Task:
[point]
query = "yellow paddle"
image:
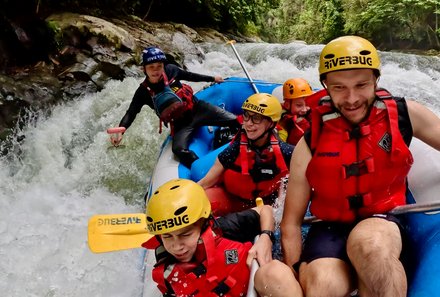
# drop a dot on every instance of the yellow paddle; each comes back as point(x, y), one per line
point(114, 232)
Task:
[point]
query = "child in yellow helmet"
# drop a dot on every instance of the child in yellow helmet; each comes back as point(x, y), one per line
point(197, 254)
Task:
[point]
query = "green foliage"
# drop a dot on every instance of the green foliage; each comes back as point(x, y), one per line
point(392, 21)
point(311, 20)
point(321, 21)
point(388, 23)
point(241, 15)
point(57, 34)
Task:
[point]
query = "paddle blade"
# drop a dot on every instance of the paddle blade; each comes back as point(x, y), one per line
point(114, 232)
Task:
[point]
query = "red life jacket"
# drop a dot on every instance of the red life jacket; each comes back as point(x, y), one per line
point(297, 129)
point(312, 101)
point(249, 178)
point(357, 171)
point(172, 102)
point(219, 269)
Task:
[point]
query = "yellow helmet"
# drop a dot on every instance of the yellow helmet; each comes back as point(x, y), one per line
point(296, 88)
point(264, 104)
point(348, 52)
point(176, 204)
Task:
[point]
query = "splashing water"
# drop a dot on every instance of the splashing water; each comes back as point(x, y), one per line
point(64, 171)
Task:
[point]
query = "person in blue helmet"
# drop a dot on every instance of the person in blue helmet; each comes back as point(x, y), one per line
point(174, 103)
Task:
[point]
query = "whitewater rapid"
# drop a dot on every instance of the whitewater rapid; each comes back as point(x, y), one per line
point(64, 170)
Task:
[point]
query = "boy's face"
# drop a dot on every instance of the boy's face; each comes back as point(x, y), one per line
point(154, 71)
point(182, 243)
point(296, 106)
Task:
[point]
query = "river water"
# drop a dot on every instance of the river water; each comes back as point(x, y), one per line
point(64, 171)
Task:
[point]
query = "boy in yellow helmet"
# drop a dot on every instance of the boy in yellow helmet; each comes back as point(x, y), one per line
point(197, 254)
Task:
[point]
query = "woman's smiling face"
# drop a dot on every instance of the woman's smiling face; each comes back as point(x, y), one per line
point(255, 124)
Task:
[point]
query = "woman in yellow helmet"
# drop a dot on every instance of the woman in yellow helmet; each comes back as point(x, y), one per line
point(254, 162)
point(354, 162)
point(295, 120)
point(200, 256)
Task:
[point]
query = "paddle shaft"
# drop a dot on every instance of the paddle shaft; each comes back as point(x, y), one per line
point(254, 267)
point(398, 210)
point(416, 207)
point(231, 43)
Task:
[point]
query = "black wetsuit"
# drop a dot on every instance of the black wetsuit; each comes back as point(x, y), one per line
point(202, 114)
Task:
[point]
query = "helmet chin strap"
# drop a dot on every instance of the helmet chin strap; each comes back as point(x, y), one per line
point(377, 82)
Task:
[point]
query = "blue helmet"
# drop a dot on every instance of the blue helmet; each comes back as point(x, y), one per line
point(152, 55)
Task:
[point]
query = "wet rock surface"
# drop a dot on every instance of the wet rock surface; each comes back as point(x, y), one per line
point(89, 51)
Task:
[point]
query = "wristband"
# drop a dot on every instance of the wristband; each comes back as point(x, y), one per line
point(270, 234)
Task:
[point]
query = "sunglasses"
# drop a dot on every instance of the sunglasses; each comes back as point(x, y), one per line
point(255, 118)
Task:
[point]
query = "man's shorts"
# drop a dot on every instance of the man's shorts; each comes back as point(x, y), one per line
point(329, 239)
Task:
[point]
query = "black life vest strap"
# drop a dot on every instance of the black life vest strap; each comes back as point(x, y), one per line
point(359, 200)
point(224, 286)
point(358, 168)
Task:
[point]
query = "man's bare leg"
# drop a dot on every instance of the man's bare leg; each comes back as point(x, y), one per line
point(276, 279)
point(374, 248)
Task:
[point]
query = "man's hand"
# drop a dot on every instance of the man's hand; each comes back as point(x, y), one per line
point(261, 250)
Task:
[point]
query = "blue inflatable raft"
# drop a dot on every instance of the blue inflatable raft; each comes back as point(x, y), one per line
point(423, 253)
